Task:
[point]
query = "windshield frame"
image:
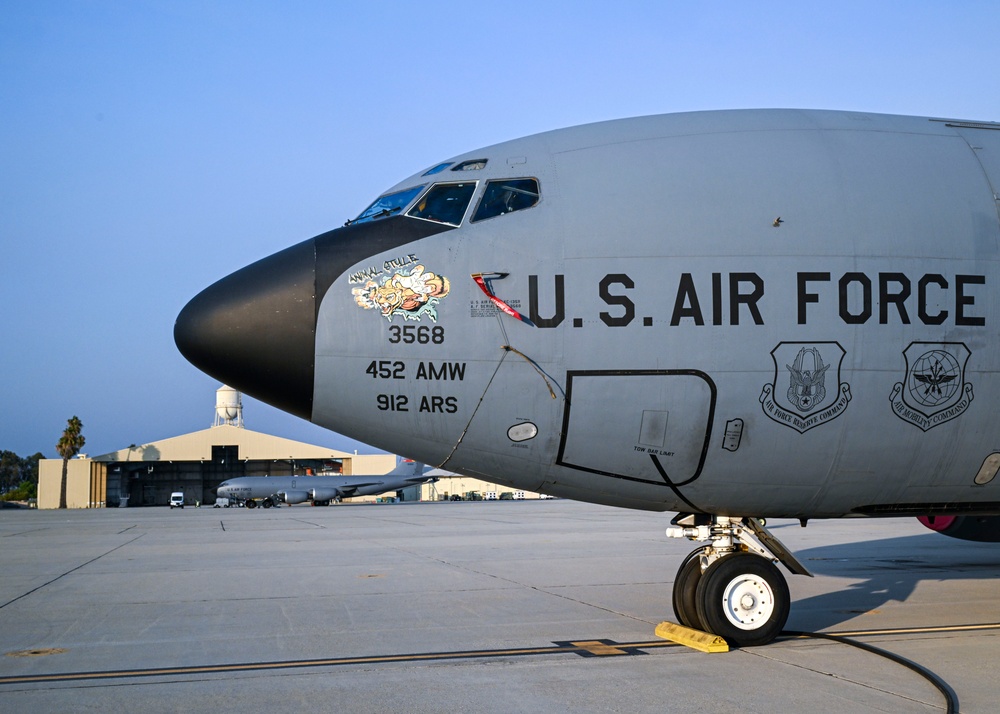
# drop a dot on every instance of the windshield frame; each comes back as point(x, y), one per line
point(492, 203)
point(418, 209)
point(388, 204)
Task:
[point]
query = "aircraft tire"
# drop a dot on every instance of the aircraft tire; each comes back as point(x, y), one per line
point(685, 599)
point(743, 598)
point(267, 503)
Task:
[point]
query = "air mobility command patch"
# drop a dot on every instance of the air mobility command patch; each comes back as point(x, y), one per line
point(934, 389)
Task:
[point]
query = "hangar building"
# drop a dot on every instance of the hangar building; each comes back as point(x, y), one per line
point(194, 463)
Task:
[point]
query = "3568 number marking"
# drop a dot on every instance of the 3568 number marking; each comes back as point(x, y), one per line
point(421, 335)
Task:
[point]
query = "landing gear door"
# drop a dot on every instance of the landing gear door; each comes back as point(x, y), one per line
point(638, 425)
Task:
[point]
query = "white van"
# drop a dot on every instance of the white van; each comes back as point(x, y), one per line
point(177, 499)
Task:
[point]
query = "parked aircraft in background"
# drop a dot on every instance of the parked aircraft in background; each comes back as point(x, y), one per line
point(733, 315)
point(320, 490)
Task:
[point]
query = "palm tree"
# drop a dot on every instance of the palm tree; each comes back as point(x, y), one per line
point(69, 446)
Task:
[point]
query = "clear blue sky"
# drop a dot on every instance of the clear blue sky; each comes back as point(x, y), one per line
point(148, 149)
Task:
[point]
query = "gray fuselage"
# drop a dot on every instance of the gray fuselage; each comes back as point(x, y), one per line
point(775, 312)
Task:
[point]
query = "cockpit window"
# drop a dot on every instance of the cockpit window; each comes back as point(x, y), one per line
point(473, 165)
point(506, 196)
point(444, 202)
point(437, 169)
point(388, 205)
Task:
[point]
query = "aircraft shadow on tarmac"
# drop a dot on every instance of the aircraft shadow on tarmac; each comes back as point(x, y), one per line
point(889, 571)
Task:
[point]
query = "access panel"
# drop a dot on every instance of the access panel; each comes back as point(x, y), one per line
point(645, 425)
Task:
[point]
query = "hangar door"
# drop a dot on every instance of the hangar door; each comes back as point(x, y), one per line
point(633, 424)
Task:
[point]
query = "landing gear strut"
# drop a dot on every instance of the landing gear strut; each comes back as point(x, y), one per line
point(732, 587)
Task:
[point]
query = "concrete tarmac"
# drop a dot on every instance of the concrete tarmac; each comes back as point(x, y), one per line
point(506, 606)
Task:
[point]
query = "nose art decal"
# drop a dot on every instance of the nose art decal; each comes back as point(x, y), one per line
point(409, 293)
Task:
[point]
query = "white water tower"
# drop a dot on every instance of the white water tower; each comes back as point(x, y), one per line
point(228, 407)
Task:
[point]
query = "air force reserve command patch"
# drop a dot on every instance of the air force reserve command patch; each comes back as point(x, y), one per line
point(806, 391)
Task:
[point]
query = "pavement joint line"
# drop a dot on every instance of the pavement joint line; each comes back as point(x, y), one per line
point(71, 570)
point(547, 590)
point(20, 533)
point(309, 523)
point(756, 652)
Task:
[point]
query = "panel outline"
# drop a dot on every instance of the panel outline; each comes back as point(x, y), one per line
point(571, 374)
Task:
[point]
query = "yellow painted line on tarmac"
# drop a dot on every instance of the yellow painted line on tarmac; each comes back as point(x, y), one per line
point(601, 649)
point(586, 648)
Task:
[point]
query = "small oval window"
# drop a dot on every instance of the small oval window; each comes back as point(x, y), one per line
point(989, 469)
point(522, 432)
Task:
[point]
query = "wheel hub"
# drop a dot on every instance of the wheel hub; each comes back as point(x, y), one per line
point(748, 602)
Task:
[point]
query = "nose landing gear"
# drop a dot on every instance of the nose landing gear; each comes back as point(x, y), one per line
point(731, 587)
point(686, 588)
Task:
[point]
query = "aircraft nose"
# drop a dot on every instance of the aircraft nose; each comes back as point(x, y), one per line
point(255, 329)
